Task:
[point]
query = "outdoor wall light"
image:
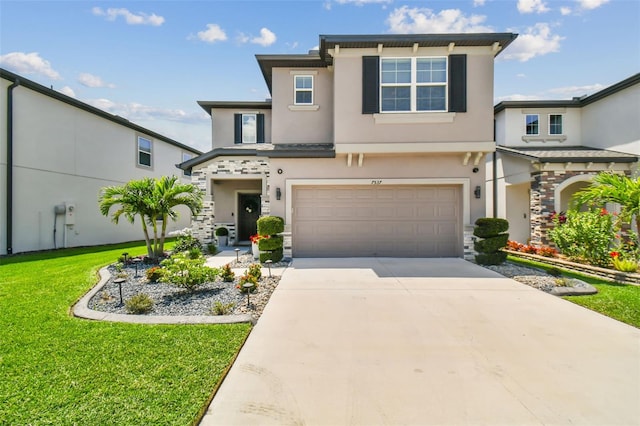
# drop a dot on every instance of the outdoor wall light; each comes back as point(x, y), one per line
point(477, 192)
point(278, 194)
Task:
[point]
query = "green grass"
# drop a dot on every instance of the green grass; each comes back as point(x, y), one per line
point(615, 300)
point(57, 369)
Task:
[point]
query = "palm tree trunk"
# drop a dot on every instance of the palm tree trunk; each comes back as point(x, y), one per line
point(155, 237)
point(147, 240)
point(163, 233)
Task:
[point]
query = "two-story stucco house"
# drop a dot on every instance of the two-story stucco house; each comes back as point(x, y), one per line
point(548, 150)
point(56, 153)
point(374, 145)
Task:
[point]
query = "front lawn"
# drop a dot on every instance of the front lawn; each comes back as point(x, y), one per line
point(56, 369)
point(618, 301)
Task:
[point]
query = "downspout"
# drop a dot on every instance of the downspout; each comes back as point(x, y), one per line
point(495, 184)
point(10, 165)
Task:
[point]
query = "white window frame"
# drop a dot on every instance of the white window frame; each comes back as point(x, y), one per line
point(561, 125)
point(186, 156)
point(255, 134)
point(139, 151)
point(413, 85)
point(296, 89)
point(525, 125)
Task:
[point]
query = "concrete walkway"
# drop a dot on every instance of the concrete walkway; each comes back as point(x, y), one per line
point(427, 342)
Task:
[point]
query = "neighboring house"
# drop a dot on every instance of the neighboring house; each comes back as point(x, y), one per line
point(56, 153)
point(374, 145)
point(548, 150)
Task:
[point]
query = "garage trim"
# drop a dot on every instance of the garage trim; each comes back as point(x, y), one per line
point(464, 182)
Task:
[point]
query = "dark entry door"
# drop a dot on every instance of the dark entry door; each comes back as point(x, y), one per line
point(248, 214)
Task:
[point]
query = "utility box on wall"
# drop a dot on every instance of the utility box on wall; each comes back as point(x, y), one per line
point(70, 218)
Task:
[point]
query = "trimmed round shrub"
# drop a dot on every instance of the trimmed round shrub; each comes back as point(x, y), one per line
point(274, 256)
point(491, 244)
point(272, 243)
point(491, 258)
point(490, 227)
point(270, 225)
point(222, 232)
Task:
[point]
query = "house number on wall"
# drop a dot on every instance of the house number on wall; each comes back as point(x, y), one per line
point(376, 182)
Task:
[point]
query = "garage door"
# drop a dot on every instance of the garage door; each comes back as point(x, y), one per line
point(377, 220)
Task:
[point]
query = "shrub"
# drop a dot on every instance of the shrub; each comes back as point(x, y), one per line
point(585, 236)
point(194, 253)
point(141, 303)
point(490, 227)
point(272, 243)
point(514, 245)
point(621, 264)
point(255, 270)
point(547, 251)
point(222, 232)
point(212, 248)
point(247, 279)
point(220, 308)
point(530, 249)
point(270, 225)
point(154, 274)
point(227, 274)
point(187, 273)
point(185, 241)
point(274, 255)
point(492, 230)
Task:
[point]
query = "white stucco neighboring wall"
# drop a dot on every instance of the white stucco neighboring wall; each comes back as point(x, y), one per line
point(64, 155)
point(511, 130)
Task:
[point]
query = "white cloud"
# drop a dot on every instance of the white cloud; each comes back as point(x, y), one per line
point(565, 11)
point(134, 111)
point(212, 34)
point(242, 38)
point(90, 80)
point(266, 38)
point(591, 4)
point(517, 97)
point(130, 18)
point(531, 6)
point(521, 75)
point(405, 20)
point(571, 91)
point(536, 41)
point(363, 2)
point(29, 63)
point(478, 3)
point(66, 90)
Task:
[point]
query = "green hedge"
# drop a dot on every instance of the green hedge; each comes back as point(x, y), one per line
point(491, 258)
point(275, 255)
point(491, 244)
point(272, 243)
point(490, 227)
point(270, 225)
point(222, 231)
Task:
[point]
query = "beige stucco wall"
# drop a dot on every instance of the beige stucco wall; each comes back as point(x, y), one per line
point(222, 125)
point(612, 122)
point(302, 125)
point(63, 154)
point(377, 167)
point(225, 193)
point(510, 127)
point(351, 126)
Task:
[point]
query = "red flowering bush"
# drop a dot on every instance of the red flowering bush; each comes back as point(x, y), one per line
point(514, 245)
point(547, 251)
point(529, 249)
point(257, 237)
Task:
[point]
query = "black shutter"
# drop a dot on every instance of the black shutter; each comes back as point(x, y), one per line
point(237, 122)
point(370, 84)
point(260, 128)
point(458, 83)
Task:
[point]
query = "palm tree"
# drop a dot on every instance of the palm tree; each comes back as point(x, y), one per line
point(132, 199)
point(169, 193)
point(153, 200)
point(613, 188)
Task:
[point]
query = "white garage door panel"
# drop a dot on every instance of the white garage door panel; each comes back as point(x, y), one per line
point(407, 221)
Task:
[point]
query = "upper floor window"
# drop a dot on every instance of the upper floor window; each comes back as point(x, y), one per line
point(303, 88)
point(413, 84)
point(249, 128)
point(532, 124)
point(145, 148)
point(186, 157)
point(555, 124)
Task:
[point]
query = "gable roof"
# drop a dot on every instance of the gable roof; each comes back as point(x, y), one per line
point(210, 105)
point(571, 103)
point(24, 82)
point(321, 58)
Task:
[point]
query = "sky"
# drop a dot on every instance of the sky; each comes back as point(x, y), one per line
point(151, 61)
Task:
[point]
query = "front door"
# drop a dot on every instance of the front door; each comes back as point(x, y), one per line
point(248, 214)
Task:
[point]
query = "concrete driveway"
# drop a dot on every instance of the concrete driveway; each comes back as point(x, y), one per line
point(427, 342)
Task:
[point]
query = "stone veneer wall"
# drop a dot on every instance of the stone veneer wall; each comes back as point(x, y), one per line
point(203, 225)
point(469, 239)
point(542, 201)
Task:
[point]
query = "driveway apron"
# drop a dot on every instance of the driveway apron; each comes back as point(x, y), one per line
point(382, 341)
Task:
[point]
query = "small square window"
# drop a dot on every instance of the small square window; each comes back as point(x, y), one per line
point(144, 151)
point(303, 90)
point(532, 124)
point(186, 157)
point(555, 124)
